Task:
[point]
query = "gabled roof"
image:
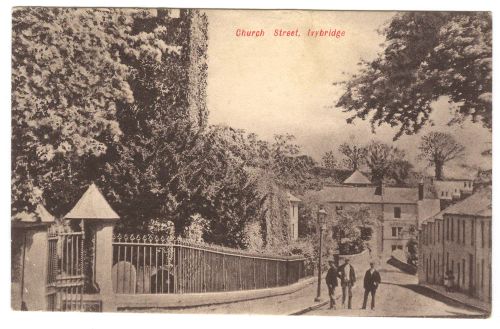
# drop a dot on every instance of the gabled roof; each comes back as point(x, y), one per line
point(92, 205)
point(41, 215)
point(357, 178)
point(292, 198)
point(351, 194)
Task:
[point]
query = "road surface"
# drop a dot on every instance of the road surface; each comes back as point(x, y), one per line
point(398, 295)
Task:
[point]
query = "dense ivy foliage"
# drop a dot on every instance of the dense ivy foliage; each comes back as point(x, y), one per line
point(117, 97)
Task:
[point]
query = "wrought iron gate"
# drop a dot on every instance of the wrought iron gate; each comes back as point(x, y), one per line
point(66, 275)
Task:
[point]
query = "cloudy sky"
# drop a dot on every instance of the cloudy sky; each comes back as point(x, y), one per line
point(272, 85)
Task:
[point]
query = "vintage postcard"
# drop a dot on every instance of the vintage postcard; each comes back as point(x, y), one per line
point(283, 162)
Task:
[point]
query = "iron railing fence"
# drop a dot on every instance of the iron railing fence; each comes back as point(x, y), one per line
point(152, 265)
point(65, 275)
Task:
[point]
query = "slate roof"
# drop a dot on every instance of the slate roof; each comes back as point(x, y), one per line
point(92, 205)
point(357, 178)
point(350, 194)
point(478, 204)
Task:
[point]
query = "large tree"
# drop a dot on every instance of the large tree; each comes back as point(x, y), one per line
point(354, 155)
point(427, 55)
point(437, 149)
point(68, 78)
point(384, 159)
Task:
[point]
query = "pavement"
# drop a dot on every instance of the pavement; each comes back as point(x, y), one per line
point(299, 302)
point(399, 295)
point(460, 297)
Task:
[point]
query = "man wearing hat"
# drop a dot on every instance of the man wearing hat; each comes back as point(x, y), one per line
point(371, 283)
point(347, 280)
point(331, 282)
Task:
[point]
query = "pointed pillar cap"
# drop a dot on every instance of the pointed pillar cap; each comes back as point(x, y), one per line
point(93, 206)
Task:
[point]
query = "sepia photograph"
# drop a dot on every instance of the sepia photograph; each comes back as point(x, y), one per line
point(265, 162)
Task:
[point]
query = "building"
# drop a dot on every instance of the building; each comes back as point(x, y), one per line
point(458, 239)
point(396, 211)
point(453, 189)
point(294, 215)
point(357, 178)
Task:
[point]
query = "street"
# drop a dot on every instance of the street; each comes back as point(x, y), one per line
point(398, 295)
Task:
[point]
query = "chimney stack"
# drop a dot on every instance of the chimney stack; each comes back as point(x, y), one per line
point(379, 190)
point(421, 189)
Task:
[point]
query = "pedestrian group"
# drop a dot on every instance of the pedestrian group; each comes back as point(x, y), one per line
point(347, 277)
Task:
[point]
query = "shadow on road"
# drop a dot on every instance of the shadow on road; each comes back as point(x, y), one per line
point(424, 291)
point(404, 267)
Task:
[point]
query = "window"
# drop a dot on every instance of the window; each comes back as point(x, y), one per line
point(397, 212)
point(446, 193)
point(452, 230)
point(463, 231)
point(463, 272)
point(447, 229)
point(472, 232)
point(439, 231)
point(447, 261)
point(396, 231)
point(458, 230)
point(489, 234)
point(482, 273)
point(482, 234)
point(442, 193)
point(465, 184)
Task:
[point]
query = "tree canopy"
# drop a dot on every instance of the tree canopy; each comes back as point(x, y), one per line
point(437, 149)
point(117, 97)
point(426, 55)
point(354, 155)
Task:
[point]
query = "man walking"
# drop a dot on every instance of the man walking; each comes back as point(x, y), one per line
point(331, 282)
point(371, 283)
point(347, 280)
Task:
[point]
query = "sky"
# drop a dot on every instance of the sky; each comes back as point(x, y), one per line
point(273, 85)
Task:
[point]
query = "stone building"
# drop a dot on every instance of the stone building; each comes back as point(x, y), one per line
point(458, 239)
point(397, 211)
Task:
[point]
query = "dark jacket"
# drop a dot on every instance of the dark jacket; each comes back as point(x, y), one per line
point(331, 277)
point(371, 280)
point(342, 275)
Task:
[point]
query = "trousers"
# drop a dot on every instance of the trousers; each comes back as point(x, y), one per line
point(331, 294)
point(371, 291)
point(347, 293)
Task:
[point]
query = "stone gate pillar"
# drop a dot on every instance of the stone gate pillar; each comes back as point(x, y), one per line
point(99, 220)
point(29, 260)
